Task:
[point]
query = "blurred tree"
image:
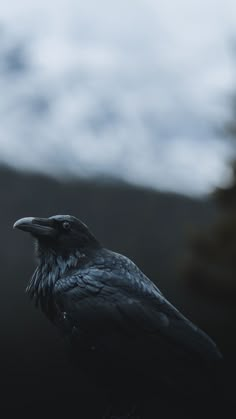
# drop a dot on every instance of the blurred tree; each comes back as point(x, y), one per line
point(211, 263)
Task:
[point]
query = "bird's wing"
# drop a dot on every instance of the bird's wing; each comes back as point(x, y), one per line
point(104, 303)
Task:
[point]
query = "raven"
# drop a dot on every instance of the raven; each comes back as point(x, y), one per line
point(121, 328)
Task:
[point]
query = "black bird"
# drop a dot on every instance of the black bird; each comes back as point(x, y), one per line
point(121, 328)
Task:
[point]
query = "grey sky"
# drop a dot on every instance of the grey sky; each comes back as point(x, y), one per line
point(136, 89)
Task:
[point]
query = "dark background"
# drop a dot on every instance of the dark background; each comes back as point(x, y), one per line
point(167, 235)
point(144, 93)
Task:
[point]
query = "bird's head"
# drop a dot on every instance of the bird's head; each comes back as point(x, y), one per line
point(61, 234)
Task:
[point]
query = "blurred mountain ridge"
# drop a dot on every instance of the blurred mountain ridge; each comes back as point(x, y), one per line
point(150, 227)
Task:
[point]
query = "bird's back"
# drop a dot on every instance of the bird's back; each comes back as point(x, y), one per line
point(114, 314)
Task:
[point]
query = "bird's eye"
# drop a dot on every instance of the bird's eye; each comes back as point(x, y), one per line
point(66, 225)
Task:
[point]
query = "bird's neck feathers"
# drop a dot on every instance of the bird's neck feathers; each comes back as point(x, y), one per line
point(50, 268)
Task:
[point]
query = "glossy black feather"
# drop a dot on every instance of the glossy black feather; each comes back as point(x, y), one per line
point(109, 291)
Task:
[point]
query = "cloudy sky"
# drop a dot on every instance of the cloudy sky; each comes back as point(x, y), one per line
point(135, 89)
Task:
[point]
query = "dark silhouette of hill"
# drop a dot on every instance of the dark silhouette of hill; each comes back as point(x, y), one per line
point(148, 226)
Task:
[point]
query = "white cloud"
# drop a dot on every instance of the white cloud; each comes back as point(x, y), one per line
point(135, 89)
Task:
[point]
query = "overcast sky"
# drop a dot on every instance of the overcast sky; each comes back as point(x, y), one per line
point(136, 89)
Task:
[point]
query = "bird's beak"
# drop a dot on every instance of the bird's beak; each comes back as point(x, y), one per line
point(36, 226)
